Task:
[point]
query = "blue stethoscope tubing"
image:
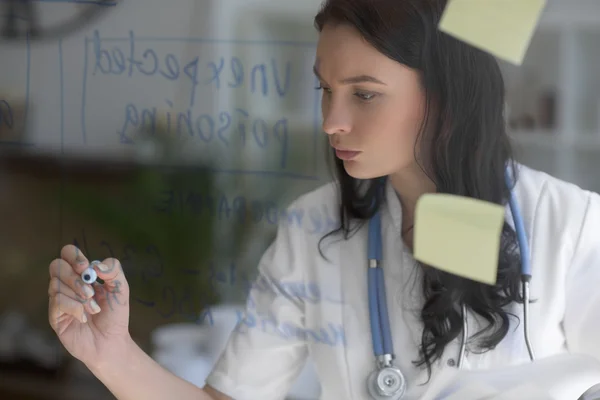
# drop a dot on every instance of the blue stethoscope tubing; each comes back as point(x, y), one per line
point(525, 258)
point(380, 324)
point(378, 313)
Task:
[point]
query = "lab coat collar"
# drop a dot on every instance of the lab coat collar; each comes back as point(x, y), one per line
point(394, 207)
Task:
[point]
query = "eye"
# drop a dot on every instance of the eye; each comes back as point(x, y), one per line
point(364, 96)
point(325, 89)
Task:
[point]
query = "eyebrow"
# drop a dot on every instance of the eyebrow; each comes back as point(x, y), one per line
point(352, 79)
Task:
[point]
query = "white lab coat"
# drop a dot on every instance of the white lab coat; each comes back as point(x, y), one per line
point(304, 305)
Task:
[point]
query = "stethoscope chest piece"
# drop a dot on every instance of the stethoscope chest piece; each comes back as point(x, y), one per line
point(386, 384)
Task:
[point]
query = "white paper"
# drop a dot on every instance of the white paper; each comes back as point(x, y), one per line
point(475, 390)
point(561, 377)
point(527, 391)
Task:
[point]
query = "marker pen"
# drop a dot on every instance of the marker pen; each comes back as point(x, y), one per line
point(90, 275)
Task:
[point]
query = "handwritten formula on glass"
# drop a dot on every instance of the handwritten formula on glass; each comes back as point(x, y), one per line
point(172, 303)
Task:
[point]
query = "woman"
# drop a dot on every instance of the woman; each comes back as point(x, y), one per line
point(410, 108)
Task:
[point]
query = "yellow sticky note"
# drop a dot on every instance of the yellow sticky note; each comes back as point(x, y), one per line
point(503, 28)
point(459, 235)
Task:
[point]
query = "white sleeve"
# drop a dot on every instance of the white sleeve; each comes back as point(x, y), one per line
point(582, 309)
point(267, 350)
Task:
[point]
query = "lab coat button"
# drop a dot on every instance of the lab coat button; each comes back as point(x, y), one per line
point(451, 362)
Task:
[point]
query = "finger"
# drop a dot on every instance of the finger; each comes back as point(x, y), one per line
point(64, 272)
point(56, 286)
point(75, 257)
point(110, 270)
point(115, 290)
point(113, 297)
point(61, 305)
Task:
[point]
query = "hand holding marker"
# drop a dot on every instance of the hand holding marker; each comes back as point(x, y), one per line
point(89, 305)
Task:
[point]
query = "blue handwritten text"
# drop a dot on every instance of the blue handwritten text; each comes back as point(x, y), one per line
point(6, 115)
point(242, 210)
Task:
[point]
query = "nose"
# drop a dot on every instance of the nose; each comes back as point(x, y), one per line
point(336, 119)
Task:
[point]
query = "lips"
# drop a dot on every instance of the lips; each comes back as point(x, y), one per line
point(346, 154)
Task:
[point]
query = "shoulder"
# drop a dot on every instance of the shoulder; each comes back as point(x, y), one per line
point(315, 212)
point(300, 228)
point(326, 194)
point(535, 186)
point(555, 209)
point(542, 193)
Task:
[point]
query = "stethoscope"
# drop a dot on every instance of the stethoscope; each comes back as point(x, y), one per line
point(387, 382)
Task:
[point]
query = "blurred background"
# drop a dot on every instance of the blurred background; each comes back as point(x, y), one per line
point(173, 136)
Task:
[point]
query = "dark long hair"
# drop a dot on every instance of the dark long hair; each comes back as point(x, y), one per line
point(466, 149)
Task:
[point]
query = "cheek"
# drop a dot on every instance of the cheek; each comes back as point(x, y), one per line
point(393, 130)
point(391, 139)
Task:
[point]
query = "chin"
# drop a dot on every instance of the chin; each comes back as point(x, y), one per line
point(357, 171)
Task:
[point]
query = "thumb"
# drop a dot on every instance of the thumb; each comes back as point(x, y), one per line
point(109, 270)
point(110, 273)
point(112, 287)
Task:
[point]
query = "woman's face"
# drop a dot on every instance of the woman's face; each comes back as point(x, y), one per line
point(372, 105)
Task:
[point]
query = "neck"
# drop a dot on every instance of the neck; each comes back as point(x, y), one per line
point(410, 184)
